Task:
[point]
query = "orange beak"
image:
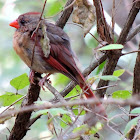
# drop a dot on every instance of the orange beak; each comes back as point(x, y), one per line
point(14, 24)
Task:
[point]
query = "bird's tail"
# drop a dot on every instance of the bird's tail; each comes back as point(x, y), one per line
point(98, 107)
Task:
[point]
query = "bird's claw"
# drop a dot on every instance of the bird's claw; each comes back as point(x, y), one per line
point(43, 80)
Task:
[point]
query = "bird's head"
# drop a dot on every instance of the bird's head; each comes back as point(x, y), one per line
point(25, 20)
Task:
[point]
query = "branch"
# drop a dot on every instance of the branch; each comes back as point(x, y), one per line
point(114, 56)
point(65, 15)
point(23, 118)
point(128, 24)
point(76, 121)
point(102, 27)
point(131, 101)
point(136, 89)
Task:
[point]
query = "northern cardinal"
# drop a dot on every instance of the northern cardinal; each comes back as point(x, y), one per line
point(60, 59)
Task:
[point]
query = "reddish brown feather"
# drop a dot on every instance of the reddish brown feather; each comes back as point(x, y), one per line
point(32, 13)
point(55, 64)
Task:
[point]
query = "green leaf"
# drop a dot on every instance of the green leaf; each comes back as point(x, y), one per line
point(82, 127)
point(121, 94)
point(99, 126)
point(111, 47)
point(74, 92)
point(100, 68)
point(61, 79)
point(20, 82)
point(40, 112)
point(66, 119)
point(76, 110)
point(57, 111)
point(54, 6)
point(135, 111)
point(118, 72)
point(52, 111)
point(130, 125)
point(8, 98)
point(86, 129)
point(109, 77)
point(50, 120)
point(93, 130)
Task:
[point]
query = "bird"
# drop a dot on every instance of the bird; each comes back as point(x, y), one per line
point(27, 44)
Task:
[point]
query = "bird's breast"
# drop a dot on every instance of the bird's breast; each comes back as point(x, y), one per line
point(24, 47)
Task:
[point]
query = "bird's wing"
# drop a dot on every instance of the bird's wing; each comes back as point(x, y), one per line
point(61, 59)
point(61, 55)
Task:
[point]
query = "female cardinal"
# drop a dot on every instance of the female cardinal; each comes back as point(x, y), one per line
point(60, 58)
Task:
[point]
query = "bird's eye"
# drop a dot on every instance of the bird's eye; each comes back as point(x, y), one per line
point(22, 21)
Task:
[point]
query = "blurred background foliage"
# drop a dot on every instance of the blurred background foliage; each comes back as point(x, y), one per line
point(11, 66)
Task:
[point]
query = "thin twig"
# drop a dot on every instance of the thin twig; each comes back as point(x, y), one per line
point(33, 120)
point(36, 31)
point(130, 52)
point(65, 8)
point(105, 87)
point(65, 15)
point(113, 21)
point(96, 39)
point(133, 32)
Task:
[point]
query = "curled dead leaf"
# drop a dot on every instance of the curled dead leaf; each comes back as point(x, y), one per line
point(84, 14)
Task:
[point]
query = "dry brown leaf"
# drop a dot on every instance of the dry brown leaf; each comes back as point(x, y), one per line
point(84, 14)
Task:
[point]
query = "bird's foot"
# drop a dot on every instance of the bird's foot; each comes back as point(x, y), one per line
point(31, 76)
point(43, 80)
